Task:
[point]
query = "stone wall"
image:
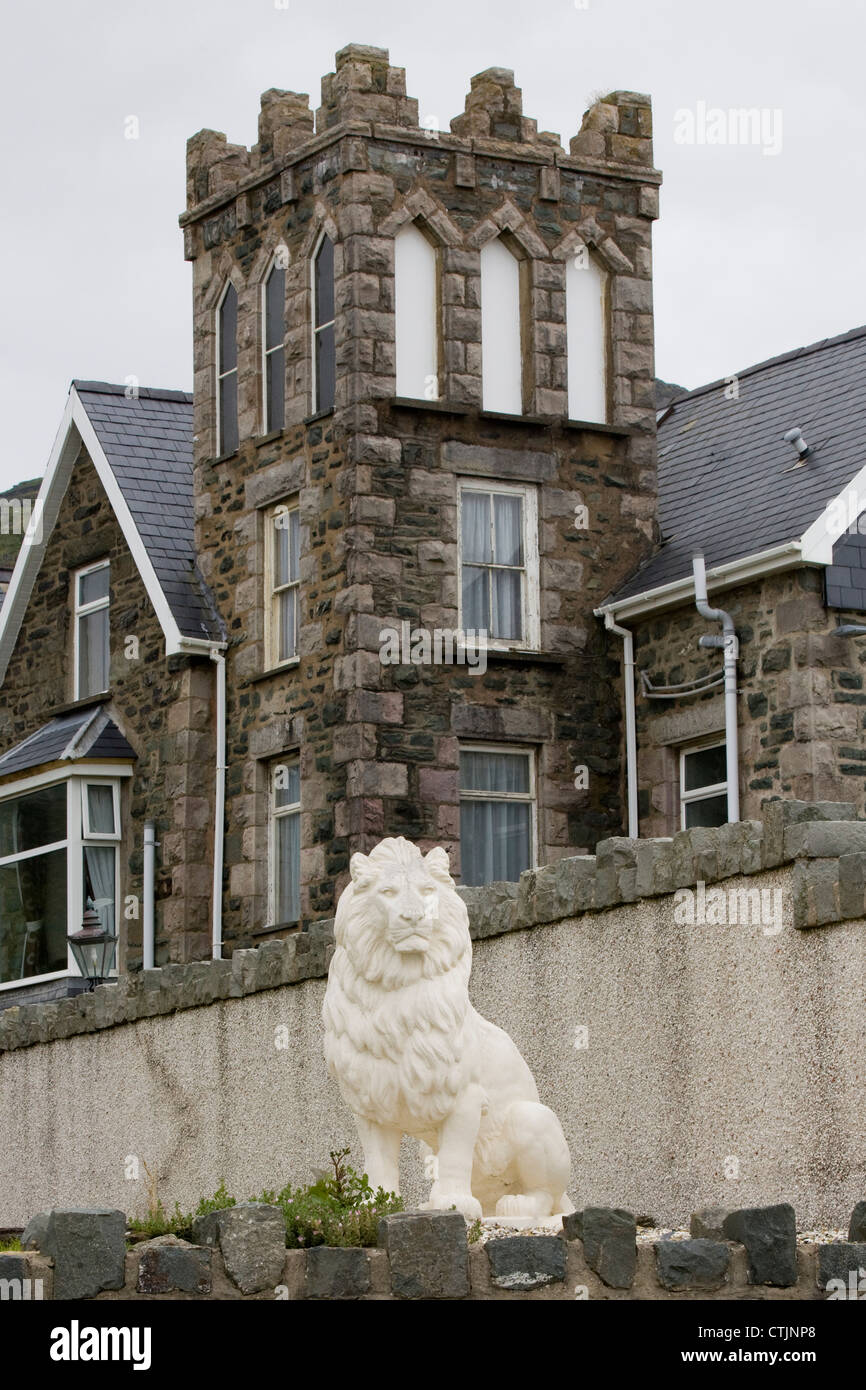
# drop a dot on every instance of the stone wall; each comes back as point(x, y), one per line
point(241, 1253)
point(802, 704)
point(697, 1055)
point(164, 708)
point(377, 478)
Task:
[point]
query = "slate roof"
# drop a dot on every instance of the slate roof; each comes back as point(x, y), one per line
point(147, 440)
point(726, 483)
point(87, 733)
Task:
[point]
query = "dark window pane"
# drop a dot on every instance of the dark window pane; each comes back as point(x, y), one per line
point(713, 810)
point(275, 299)
point(494, 772)
point(494, 841)
point(228, 331)
point(325, 282)
point(476, 599)
point(93, 586)
point(33, 925)
point(228, 390)
point(705, 768)
point(276, 388)
point(93, 653)
point(26, 822)
point(508, 527)
point(326, 369)
point(507, 604)
point(475, 527)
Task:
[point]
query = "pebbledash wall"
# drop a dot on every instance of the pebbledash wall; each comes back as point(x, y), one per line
point(691, 1063)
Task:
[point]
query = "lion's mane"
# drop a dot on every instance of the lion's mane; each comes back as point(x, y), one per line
point(400, 1033)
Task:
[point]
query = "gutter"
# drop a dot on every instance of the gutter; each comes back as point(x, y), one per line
point(728, 641)
point(630, 730)
point(681, 591)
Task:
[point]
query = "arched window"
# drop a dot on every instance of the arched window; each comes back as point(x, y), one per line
point(227, 371)
point(416, 317)
point(586, 317)
point(501, 349)
point(273, 348)
point(324, 356)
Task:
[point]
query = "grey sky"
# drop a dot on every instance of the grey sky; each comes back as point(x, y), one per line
point(754, 254)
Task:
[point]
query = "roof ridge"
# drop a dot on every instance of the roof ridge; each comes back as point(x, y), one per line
point(850, 336)
point(150, 393)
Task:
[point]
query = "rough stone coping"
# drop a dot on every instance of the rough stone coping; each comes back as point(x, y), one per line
point(824, 841)
point(426, 1255)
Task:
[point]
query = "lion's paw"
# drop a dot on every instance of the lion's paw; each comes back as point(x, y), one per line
point(442, 1200)
point(524, 1204)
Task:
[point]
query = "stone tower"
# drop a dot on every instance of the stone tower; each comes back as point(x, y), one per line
point(424, 404)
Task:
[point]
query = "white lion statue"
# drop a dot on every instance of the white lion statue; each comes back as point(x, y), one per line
point(411, 1055)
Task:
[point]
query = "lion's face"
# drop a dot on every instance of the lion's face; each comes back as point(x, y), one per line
point(402, 900)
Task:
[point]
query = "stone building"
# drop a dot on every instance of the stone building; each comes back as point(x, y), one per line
point(763, 473)
point(347, 590)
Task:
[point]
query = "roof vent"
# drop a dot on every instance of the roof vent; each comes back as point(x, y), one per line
point(795, 438)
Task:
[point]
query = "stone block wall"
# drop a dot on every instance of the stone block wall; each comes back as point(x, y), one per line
point(81, 1254)
point(163, 707)
point(377, 479)
point(684, 1004)
point(802, 704)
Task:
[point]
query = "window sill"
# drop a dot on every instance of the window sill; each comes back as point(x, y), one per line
point(262, 439)
point(529, 658)
point(280, 926)
point(318, 415)
point(87, 703)
point(275, 671)
point(224, 458)
point(445, 408)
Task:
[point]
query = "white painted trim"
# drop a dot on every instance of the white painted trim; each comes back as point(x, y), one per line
point(80, 611)
point(521, 798)
point(266, 352)
point(271, 663)
point(531, 597)
point(38, 979)
point(704, 793)
point(275, 814)
point(92, 770)
point(741, 571)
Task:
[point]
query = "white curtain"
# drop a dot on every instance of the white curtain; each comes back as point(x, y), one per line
point(288, 894)
point(495, 840)
point(100, 866)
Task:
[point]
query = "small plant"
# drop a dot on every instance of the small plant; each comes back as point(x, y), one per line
point(10, 1243)
point(342, 1209)
point(475, 1231)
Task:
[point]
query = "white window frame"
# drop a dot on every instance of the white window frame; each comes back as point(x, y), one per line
point(83, 610)
point(315, 328)
point(221, 376)
point(530, 593)
point(268, 351)
point(687, 798)
point(530, 797)
point(275, 813)
point(74, 844)
point(271, 663)
point(103, 835)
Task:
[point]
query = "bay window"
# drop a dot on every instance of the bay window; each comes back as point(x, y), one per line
point(58, 856)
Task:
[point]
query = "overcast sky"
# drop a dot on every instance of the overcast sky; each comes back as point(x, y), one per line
point(754, 253)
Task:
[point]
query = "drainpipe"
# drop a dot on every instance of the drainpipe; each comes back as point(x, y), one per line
point(219, 803)
point(630, 734)
point(728, 641)
point(149, 869)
